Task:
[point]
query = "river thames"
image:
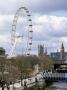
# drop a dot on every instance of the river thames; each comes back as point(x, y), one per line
point(57, 86)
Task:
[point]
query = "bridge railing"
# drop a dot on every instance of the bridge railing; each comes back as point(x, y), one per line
point(60, 61)
point(54, 75)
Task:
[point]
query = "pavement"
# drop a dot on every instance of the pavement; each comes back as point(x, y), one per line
point(29, 82)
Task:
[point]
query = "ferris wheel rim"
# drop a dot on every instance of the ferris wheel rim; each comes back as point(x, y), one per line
point(30, 31)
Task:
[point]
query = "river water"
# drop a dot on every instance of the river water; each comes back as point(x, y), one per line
point(57, 86)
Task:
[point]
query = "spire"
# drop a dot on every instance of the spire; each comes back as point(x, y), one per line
point(62, 52)
point(62, 46)
point(57, 51)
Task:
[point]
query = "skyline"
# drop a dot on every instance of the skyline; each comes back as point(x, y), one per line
point(49, 22)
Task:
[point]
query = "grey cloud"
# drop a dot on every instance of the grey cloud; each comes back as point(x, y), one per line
point(45, 6)
point(47, 33)
point(37, 6)
point(63, 33)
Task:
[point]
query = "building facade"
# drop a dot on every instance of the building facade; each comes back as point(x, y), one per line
point(40, 50)
point(62, 55)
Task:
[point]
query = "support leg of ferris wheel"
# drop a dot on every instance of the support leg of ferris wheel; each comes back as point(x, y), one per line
point(13, 50)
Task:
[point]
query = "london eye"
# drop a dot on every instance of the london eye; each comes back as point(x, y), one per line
point(24, 32)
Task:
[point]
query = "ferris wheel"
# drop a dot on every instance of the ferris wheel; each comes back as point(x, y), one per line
point(25, 32)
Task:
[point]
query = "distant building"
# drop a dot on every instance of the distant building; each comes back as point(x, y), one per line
point(55, 55)
point(40, 50)
point(62, 55)
point(2, 52)
point(45, 51)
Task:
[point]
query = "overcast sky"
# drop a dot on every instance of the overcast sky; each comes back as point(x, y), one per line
point(49, 22)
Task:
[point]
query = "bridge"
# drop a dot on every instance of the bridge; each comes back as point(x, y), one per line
point(60, 62)
point(53, 77)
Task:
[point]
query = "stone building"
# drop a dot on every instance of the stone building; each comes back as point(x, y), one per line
point(62, 55)
point(40, 50)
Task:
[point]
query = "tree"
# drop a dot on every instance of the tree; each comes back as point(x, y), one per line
point(46, 62)
point(24, 66)
point(12, 70)
point(2, 70)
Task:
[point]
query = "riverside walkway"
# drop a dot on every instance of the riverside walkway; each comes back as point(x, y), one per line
point(29, 83)
point(41, 79)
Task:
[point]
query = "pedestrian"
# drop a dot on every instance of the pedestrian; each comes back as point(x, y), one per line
point(36, 80)
point(25, 85)
point(8, 86)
